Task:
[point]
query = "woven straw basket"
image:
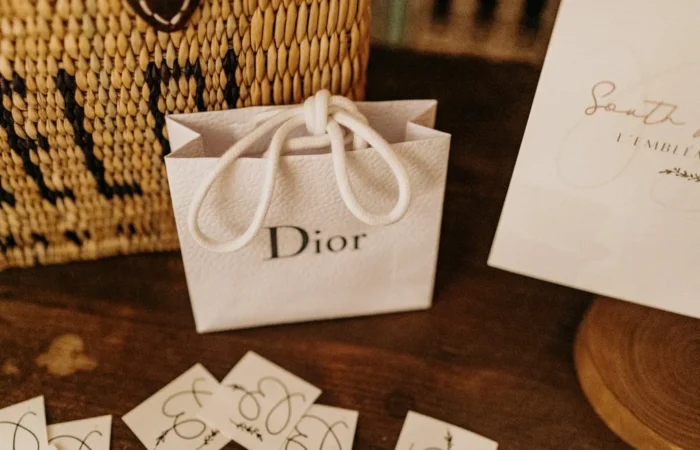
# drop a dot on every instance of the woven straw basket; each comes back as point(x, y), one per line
point(86, 86)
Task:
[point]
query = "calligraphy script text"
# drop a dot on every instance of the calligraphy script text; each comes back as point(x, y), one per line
point(277, 415)
point(654, 112)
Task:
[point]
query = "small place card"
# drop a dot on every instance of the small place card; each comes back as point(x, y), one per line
point(258, 403)
point(425, 433)
point(92, 434)
point(168, 420)
point(324, 428)
point(23, 426)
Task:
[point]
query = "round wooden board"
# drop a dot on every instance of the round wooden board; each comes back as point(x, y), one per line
point(640, 369)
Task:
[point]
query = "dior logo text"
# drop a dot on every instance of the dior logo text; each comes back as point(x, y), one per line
point(287, 241)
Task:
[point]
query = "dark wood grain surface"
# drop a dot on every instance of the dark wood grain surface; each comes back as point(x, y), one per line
point(494, 355)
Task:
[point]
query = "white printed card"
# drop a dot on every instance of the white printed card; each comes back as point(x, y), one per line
point(88, 434)
point(323, 428)
point(605, 196)
point(425, 433)
point(168, 420)
point(258, 404)
point(23, 426)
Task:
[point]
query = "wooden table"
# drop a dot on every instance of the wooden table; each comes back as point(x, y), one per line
point(494, 355)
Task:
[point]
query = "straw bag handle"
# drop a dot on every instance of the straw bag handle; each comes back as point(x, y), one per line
point(164, 15)
point(323, 116)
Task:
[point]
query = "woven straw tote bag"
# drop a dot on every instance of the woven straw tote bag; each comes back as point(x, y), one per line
point(86, 86)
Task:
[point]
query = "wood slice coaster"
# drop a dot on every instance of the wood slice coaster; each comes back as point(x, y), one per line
point(640, 369)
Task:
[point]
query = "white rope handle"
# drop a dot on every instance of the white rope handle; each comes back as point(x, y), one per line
point(322, 115)
point(387, 154)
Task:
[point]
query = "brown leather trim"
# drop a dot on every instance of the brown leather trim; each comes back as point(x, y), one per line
point(165, 15)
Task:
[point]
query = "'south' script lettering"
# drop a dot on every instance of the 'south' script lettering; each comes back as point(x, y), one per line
point(652, 112)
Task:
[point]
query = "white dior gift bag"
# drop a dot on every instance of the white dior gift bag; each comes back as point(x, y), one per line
point(324, 210)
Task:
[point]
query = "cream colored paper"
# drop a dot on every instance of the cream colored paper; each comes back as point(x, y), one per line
point(313, 259)
point(23, 426)
point(92, 434)
point(167, 420)
point(606, 191)
point(323, 428)
point(425, 433)
point(258, 404)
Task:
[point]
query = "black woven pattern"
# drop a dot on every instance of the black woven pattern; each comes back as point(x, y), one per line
point(24, 146)
point(66, 85)
point(7, 243)
point(155, 77)
point(231, 92)
point(195, 70)
point(6, 197)
point(83, 103)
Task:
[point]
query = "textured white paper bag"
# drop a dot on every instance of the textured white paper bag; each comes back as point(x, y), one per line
point(312, 259)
